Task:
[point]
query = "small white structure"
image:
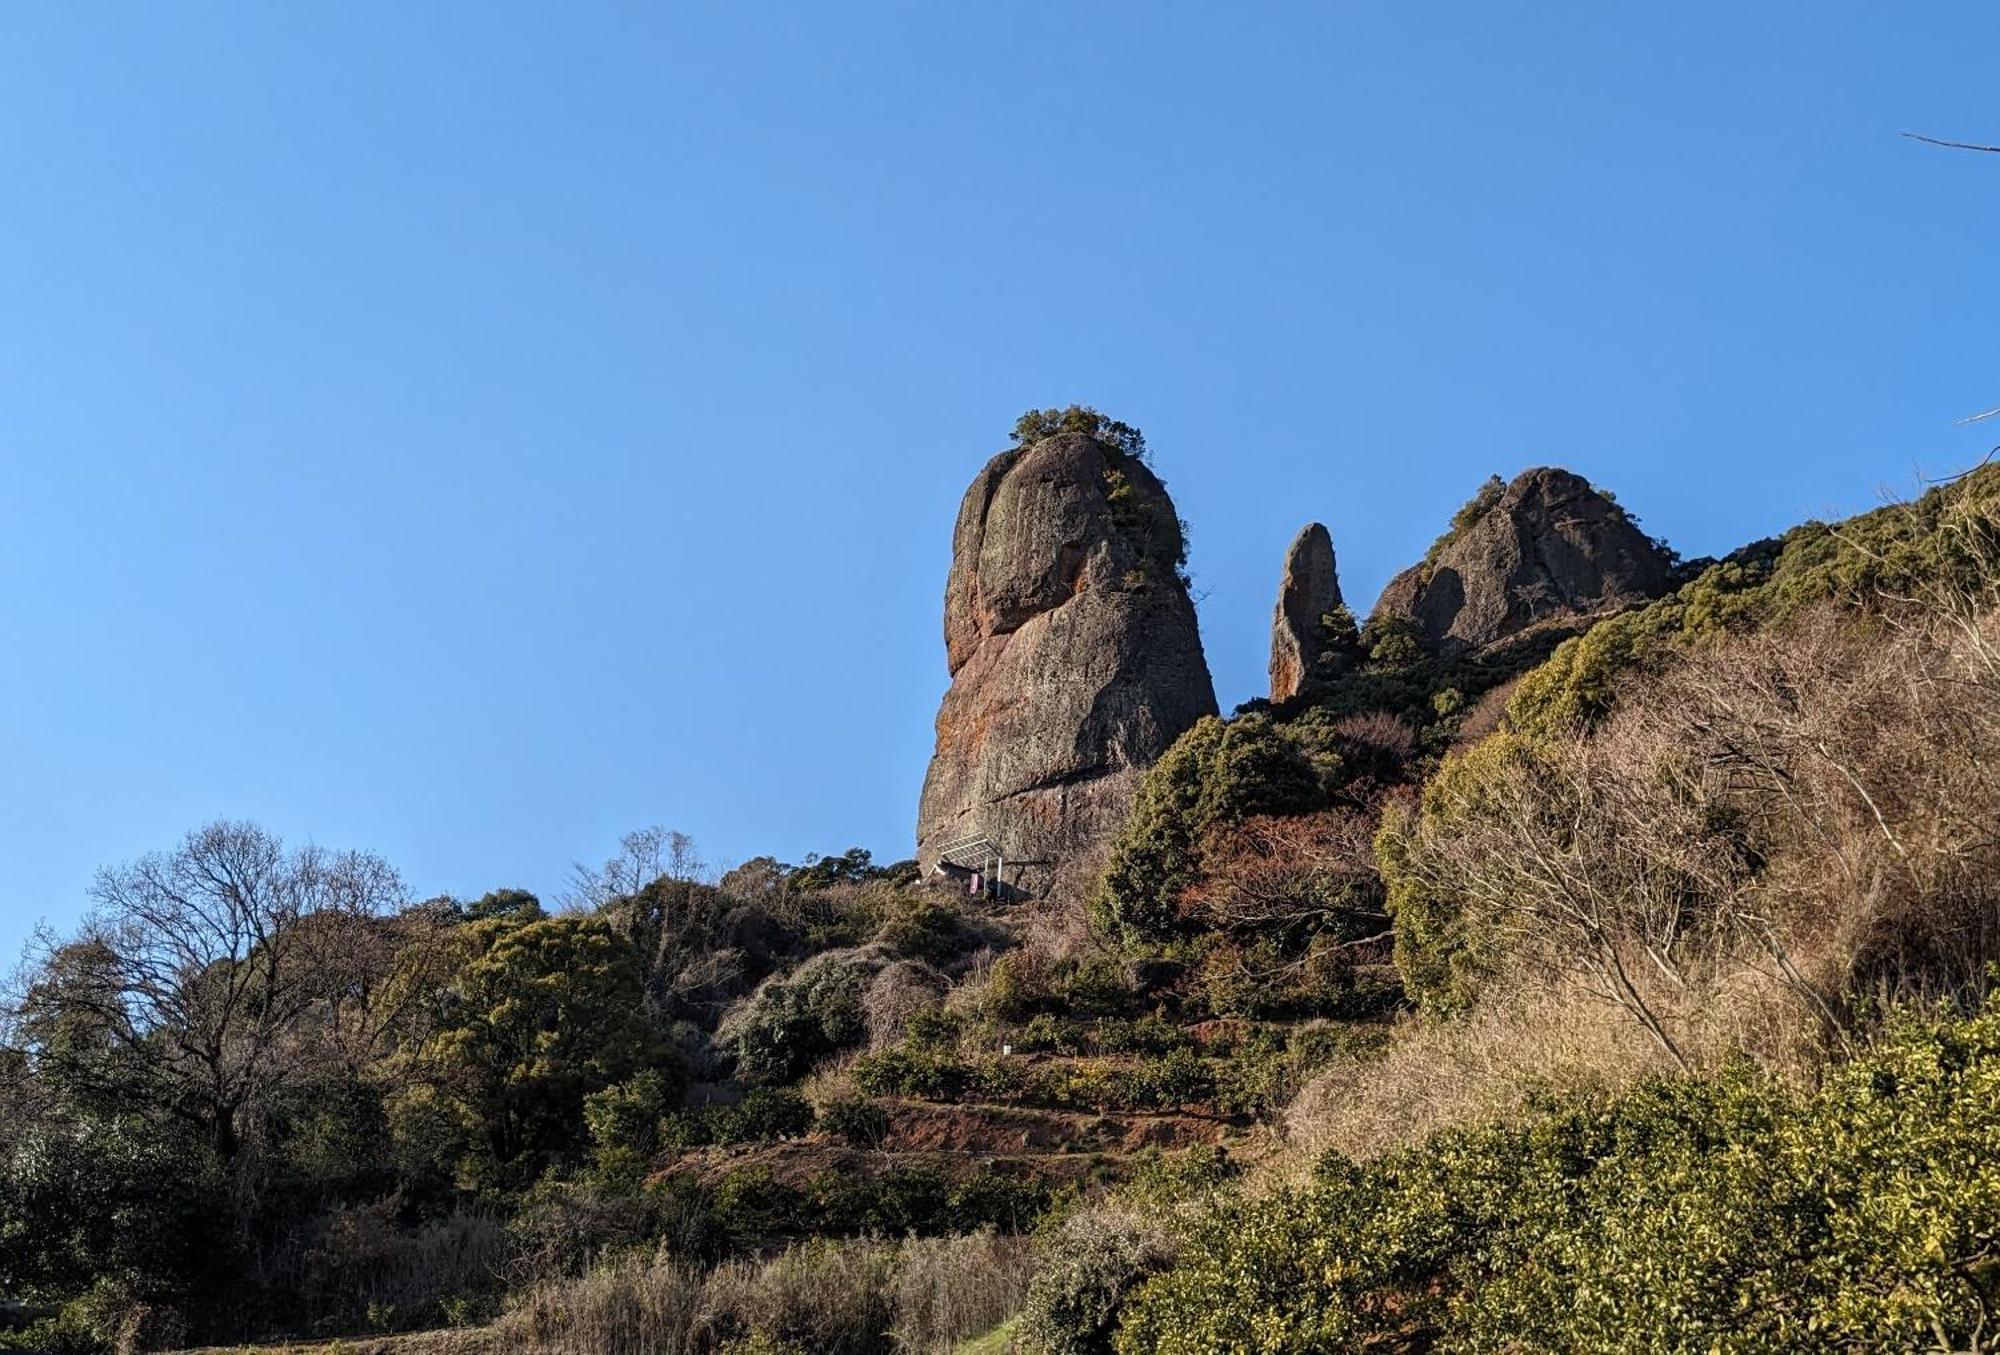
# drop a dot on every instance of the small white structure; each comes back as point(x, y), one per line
point(974, 864)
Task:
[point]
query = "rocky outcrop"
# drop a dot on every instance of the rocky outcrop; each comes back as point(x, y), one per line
point(1307, 591)
point(1074, 656)
point(1546, 546)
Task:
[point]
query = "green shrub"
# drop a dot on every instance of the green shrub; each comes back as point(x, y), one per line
point(1050, 1034)
point(926, 928)
point(1088, 1267)
point(1268, 1068)
point(934, 1027)
point(764, 1114)
point(1037, 424)
point(1442, 959)
point(1468, 516)
point(1140, 511)
point(1217, 773)
point(857, 1120)
point(1021, 986)
point(1948, 536)
point(790, 1023)
point(1047, 1034)
point(922, 1201)
point(753, 1208)
point(1727, 1213)
point(626, 1116)
point(1180, 1078)
point(903, 1071)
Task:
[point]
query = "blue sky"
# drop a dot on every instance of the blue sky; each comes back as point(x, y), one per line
point(469, 431)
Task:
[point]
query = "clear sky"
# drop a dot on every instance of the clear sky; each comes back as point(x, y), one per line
point(469, 431)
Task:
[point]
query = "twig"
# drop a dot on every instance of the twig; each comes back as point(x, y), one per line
point(1951, 145)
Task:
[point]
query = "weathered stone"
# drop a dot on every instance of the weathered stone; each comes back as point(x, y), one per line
point(1074, 655)
point(1307, 591)
point(1546, 546)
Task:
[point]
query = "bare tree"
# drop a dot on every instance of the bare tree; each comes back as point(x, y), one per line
point(644, 855)
point(199, 971)
point(1300, 874)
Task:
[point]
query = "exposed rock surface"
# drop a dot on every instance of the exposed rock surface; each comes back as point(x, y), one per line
point(1546, 546)
point(1307, 591)
point(1074, 656)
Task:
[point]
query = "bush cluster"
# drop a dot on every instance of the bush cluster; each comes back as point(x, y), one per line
point(1726, 1213)
point(764, 1114)
point(791, 1022)
point(1176, 1079)
point(1215, 775)
point(751, 1208)
point(1945, 539)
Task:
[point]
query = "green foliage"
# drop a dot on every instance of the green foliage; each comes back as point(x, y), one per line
point(1216, 774)
point(1178, 1078)
point(542, 1015)
point(752, 1208)
point(511, 905)
point(763, 1114)
point(1468, 516)
point(92, 1198)
point(1087, 1270)
point(1051, 1034)
point(1145, 520)
point(934, 1027)
point(791, 1023)
point(856, 1119)
point(1139, 512)
point(1391, 641)
point(1256, 977)
point(1727, 1214)
point(856, 865)
point(1268, 1067)
point(1441, 958)
point(1944, 537)
point(624, 1119)
point(925, 927)
point(1038, 424)
point(1019, 987)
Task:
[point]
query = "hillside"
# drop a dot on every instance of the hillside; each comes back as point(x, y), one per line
point(1585, 950)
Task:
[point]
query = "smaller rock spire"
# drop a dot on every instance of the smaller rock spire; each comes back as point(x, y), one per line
point(1307, 591)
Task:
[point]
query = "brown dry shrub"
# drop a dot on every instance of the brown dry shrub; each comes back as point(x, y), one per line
point(630, 1305)
point(819, 1295)
point(1303, 871)
point(1765, 831)
point(950, 1288)
point(856, 1297)
point(1375, 746)
point(894, 995)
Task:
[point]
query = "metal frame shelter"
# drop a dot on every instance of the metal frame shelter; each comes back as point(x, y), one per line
point(979, 853)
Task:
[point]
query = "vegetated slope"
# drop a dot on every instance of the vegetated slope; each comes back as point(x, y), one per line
point(1522, 994)
point(1703, 931)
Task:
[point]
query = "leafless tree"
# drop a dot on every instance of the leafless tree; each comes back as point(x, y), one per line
point(644, 855)
point(199, 970)
point(1312, 871)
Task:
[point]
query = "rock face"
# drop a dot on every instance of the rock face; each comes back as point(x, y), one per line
point(1307, 591)
point(1546, 546)
point(1074, 656)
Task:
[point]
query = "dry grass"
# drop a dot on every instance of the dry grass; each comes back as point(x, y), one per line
point(633, 1305)
point(950, 1289)
point(895, 995)
point(858, 1297)
point(1515, 1044)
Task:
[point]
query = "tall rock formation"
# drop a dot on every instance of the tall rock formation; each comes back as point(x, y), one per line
point(1074, 656)
point(1546, 546)
point(1307, 591)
